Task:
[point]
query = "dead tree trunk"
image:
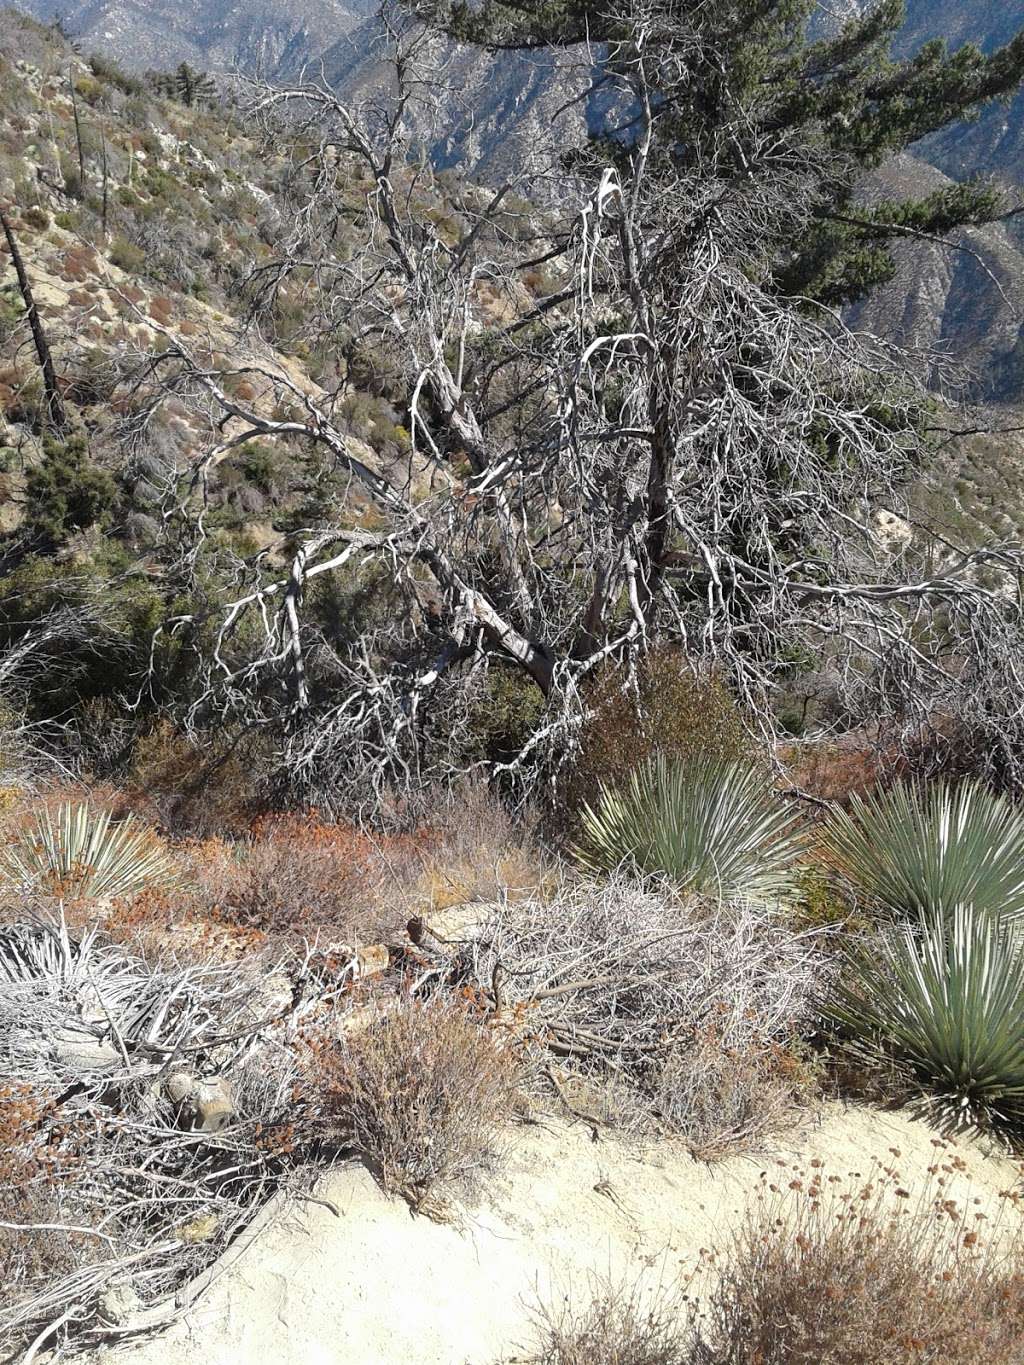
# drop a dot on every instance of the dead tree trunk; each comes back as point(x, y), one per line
point(55, 416)
point(78, 132)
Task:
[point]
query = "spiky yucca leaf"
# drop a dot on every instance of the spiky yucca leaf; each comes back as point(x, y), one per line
point(946, 997)
point(920, 853)
point(711, 825)
point(80, 853)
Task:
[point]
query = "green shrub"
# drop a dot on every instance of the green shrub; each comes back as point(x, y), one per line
point(921, 853)
point(66, 492)
point(504, 714)
point(90, 90)
point(106, 616)
point(127, 256)
point(947, 1000)
point(11, 315)
point(711, 825)
point(261, 465)
point(110, 73)
point(818, 902)
point(36, 218)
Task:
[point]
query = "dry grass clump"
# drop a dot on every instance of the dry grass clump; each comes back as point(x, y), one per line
point(867, 1279)
point(476, 852)
point(697, 1010)
point(421, 1095)
point(621, 1326)
point(861, 1283)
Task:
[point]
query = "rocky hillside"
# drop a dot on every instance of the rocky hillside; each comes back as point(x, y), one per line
point(500, 112)
point(959, 305)
point(155, 225)
point(501, 109)
point(512, 98)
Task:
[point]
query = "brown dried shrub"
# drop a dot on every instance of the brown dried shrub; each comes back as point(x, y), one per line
point(39, 1159)
point(861, 1280)
point(421, 1094)
point(834, 770)
point(864, 1283)
point(475, 851)
point(300, 875)
point(723, 1100)
point(671, 711)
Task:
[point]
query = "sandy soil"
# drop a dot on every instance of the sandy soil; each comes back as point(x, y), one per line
point(376, 1284)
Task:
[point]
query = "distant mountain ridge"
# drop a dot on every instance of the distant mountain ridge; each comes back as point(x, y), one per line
point(217, 35)
point(499, 112)
point(513, 97)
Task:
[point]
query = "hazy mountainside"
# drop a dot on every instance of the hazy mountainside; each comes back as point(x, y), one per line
point(264, 35)
point(963, 305)
point(498, 114)
point(512, 100)
point(513, 97)
point(967, 303)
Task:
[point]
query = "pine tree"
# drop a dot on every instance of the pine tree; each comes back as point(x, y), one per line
point(191, 86)
point(843, 98)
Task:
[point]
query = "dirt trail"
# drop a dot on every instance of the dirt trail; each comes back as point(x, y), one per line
point(376, 1284)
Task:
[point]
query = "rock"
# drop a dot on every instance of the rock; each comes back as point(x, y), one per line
point(119, 1303)
point(373, 960)
point(205, 1106)
point(79, 1050)
point(215, 1105)
point(273, 996)
point(180, 1087)
point(457, 923)
point(199, 1229)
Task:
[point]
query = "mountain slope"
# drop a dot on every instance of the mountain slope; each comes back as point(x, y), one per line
point(495, 112)
point(217, 35)
point(962, 303)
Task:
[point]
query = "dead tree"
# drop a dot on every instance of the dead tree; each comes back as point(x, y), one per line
point(655, 447)
point(55, 414)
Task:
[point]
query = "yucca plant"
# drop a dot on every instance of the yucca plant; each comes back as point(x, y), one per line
point(82, 854)
point(915, 852)
point(945, 997)
point(709, 824)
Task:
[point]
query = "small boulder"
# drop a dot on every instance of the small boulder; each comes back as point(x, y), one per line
point(205, 1106)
